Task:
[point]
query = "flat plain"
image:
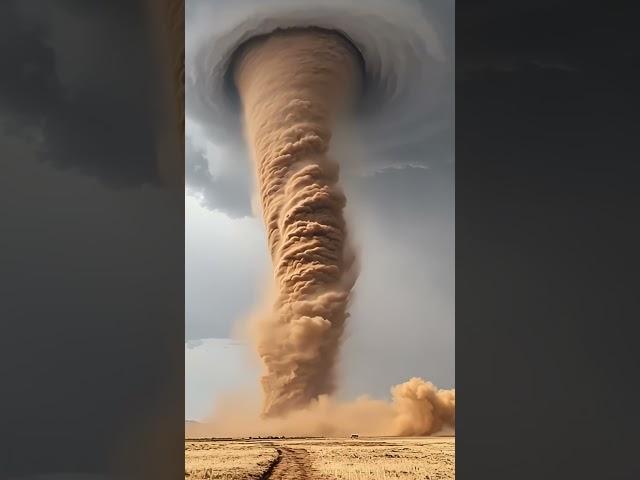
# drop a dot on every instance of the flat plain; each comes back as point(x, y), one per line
point(376, 458)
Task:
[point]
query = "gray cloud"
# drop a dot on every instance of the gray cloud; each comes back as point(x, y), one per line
point(225, 262)
point(420, 118)
point(78, 108)
point(194, 343)
point(403, 315)
point(228, 191)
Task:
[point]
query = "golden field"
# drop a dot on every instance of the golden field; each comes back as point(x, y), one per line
point(377, 458)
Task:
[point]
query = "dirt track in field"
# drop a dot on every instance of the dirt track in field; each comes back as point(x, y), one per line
point(291, 464)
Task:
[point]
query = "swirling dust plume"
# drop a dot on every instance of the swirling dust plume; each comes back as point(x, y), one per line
point(294, 84)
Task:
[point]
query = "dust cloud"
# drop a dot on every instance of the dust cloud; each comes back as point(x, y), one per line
point(417, 408)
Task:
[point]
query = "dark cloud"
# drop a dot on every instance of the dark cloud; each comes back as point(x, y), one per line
point(227, 193)
point(76, 91)
point(93, 277)
point(543, 35)
point(427, 140)
point(557, 89)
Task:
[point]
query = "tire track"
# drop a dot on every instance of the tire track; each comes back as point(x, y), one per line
point(291, 464)
point(267, 473)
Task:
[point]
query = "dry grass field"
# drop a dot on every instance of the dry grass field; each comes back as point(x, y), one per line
point(431, 458)
point(228, 460)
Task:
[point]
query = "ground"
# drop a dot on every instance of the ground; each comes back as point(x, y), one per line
point(377, 458)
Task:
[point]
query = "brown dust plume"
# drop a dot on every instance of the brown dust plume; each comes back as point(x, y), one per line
point(417, 408)
point(293, 85)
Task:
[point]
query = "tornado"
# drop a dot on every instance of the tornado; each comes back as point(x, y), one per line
point(294, 84)
point(272, 80)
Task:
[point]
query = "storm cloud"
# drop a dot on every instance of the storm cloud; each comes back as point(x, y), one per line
point(75, 108)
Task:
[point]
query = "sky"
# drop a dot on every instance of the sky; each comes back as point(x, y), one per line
point(400, 209)
point(402, 218)
point(403, 316)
